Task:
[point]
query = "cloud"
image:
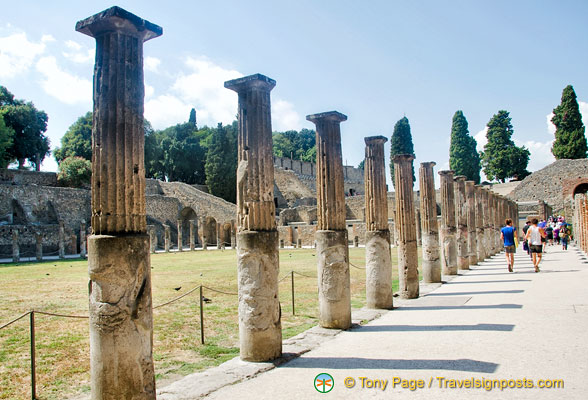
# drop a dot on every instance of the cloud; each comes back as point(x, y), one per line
point(481, 139)
point(151, 63)
point(47, 38)
point(78, 53)
point(284, 117)
point(550, 126)
point(149, 91)
point(540, 153)
point(584, 111)
point(166, 110)
point(62, 85)
point(17, 53)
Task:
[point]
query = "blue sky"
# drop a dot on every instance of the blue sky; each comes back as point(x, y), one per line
point(374, 61)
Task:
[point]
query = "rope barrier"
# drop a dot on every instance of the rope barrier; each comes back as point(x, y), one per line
point(14, 320)
point(177, 298)
point(61, 315)
point(220, 291)
point(353, 265)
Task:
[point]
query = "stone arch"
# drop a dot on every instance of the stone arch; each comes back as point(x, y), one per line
point(209, 230)
point(186, 215)
point(226, 230)
point(19, 216)
point(580, 188)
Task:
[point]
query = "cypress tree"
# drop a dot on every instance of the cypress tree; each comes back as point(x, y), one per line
point(463, 156)
point(570, 141)
point(192, 119)
point(401, 143)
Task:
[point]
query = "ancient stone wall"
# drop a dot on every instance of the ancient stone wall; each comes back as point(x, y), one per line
point(24, 177)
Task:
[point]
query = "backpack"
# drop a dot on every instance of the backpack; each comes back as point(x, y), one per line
point(562, 233)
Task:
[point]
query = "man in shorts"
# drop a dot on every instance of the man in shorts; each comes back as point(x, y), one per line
point(507, 234)
point(534, 236)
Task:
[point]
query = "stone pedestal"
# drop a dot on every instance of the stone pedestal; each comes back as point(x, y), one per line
point(448, 225)
point(429, 225)
point(461, 217)
point(471, 211)
point(83, 240)
point(331, 236)
point(166, 238)
point(39, 246)
point(481, 240)
point(408, 274)
point(15, 246)
point(180, 238)
point(378, 285)
point(260, 329)
point(121, 327)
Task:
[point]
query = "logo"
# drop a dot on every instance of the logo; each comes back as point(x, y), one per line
point(324, 383)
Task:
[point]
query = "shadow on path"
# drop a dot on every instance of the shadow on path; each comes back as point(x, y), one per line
point(430, 328)
point(473, 293)
point(469, 282)
point(482, 307)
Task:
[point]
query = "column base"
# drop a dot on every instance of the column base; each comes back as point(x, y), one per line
point(378, 263)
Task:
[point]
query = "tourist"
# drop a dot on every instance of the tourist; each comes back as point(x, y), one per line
point(549, 233)
point(525, 241)
point(564, 236)
point(556, 233)
point(534, 236)
point(507, 234)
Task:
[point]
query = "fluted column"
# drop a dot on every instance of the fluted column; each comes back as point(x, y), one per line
point(448, 225)
point(260, 328)
point(377, 237)
point(15, 246)
point(39, 245)
point(331, 235)
point(408, 274)
point(480, 237)
point(471, 211)
point(180, 238)
point(192, 234)
point(417, 214)
point(488, 225)
point(461, 217)
point(83, 240)
point(429, 226)
point(121, 322)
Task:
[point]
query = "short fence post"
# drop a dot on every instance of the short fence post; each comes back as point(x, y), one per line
point(33, 370)
point(293, 310)
point(201, 318)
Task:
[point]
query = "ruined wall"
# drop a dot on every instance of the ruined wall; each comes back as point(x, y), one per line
point(24, 177)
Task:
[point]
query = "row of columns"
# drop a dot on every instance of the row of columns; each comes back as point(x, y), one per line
point(580, 221)
point(220, 244)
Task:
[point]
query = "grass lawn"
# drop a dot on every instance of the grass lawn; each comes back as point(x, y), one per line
point(62, 344)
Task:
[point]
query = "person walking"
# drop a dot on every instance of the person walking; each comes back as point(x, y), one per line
point(534, 236)
point(507, 234)
point(525, 241)
point(564, 235)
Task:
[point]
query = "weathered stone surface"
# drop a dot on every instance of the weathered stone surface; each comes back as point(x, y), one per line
point(83, 239)
point(152, 238)
point(378, 285)
point(480, 237)
point(192, 234)
point(333, 279)
point(167, 238)
point(448, 225)
point(61, 240)
point(471, 211)
point(429, 226)
point(180, 238)
point(376, 207)
point(461, 216)
point(260, 330)
point(408, 275)
point(39, 245)
point(121, 321)
point(15, 246)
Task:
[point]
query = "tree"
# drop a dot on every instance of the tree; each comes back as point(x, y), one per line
point(501, 159)
point(221, 163)
point(74, 172)
point(29, 125)
point(298, 145)
point(401, 143)
point(463, 156)
point(77, 141)
point(570, 141)
point(192, 118)
point(6, 134)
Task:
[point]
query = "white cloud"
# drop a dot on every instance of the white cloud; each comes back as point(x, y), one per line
point(550, 126)
point(62, 85)
point(17, 54)
point(151, 63)
point(166, 110)
point(149, 91)
point(47, 38)
point(78, 53)
point(481, 139)
point(284, 117)
point(540, 153)
point(584, 111)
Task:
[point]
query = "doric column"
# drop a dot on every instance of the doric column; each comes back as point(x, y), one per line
point(471, 211)
point(180, 238)
point(166, 237)
point(378, 285)
point(417, 224)
point(83, 249)
point(488, 226)
point(121, 320)
point(480, 244)
point(448, 225)
point(39, 245)
point(260, 329)
point(61, 240)
point(15, 246)
point(152, 238)
point(461, 217)
point(408, 274)
point(429, 227)
point(331, 234)
point(192, 234)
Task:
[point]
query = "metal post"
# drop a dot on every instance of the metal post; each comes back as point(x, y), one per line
point(201, 318)
point(33, 370)
point(293, 310)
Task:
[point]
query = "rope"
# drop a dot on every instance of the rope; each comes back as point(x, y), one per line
point(220, 291)
point(60, 315)
point(14, 320)
point(353, 265)
point(306, 276)
point(177, 298)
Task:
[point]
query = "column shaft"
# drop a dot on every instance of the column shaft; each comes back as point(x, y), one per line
point(429, 226)
point(461, 216)
point(448, 225)
point(471, 211)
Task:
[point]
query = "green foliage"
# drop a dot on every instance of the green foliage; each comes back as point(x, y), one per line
point(29, 125)
point(74, 172)
point(298, 145)
point(221, 162)
point(401, 143)
point(501, 159)
point(463, 156)
point(77, 141)
point(570, 141)
point(6, 135)
point(361, 165)
point(192, 118)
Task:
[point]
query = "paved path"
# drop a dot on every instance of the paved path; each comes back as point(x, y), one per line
point(485, 324)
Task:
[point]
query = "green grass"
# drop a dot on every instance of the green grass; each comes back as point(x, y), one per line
point(62, 344)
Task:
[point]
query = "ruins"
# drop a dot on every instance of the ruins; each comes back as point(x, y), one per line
point(429, 225)
point(448, 226)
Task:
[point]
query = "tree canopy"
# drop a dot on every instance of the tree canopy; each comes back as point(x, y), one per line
point(501, 159)
point(77, 141)
point(221, 162)
point(6, 135)
point(570, 140)
point(401, 143)
point(463, 156)
point(298, 145)
point(74, 172)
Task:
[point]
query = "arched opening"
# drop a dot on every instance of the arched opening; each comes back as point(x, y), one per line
point(209, 230)
point(581, 188)
point(186, 216)
point(226, 234)
point(18, 214)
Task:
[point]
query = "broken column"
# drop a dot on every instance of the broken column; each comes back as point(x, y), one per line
point(260, 329)
point(429, 226)
point(166, 237)
point(61, 240)
point(192, 234)
point(461, 217)
point(331, 235)
point(15, 246)
point(408, 274)
point(471, 210)
point(378, 261)
point(448, 228)
point(39, 245)
point(180, 239)
point(480, 239)
point(83, 250)
point(121, 322)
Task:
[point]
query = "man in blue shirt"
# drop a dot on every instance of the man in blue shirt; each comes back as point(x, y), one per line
point(507, 234)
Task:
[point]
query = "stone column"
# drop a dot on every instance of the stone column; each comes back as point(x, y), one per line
point(61, 240)
point(480, 239)
point(83, 250)
point(192, 235)
point(152, 237)
point(121, 321)
point(15, 246)
point(419, 235)
point(378, 260)
point(166, 237)
point(448, 225)
point(281, 243)
point(260, 329)
point(471, 211)
point(429, 226)
point(331, 235)
point(487, 222)
point(39, 245)
point(73, 244)
point(356, 241)
point(180, 238)
point(461, 217)
point(408, 273)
